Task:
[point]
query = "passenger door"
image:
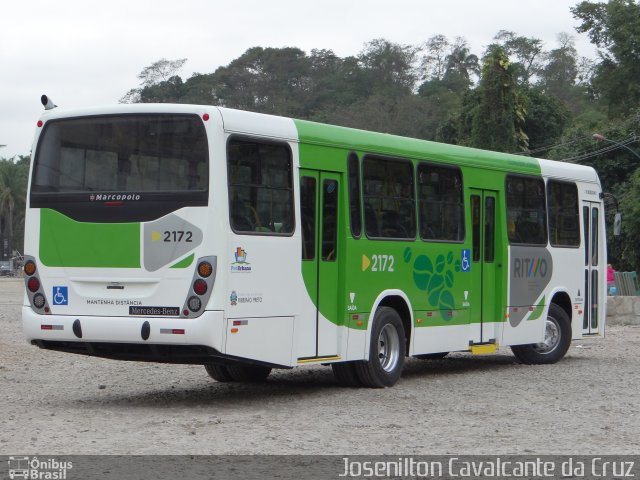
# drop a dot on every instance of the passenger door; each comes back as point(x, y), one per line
point(591, 212)
point(484, 294)
point(321, 251)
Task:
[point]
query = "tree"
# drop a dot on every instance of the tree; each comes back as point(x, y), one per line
point(171, 90)
point(461, 64)
point(558, 77)
point(160, 71)
point(389, 67)
point(13, 187)
point(527, 53)
point(336, 83)
point(546, 119)
point(266, 80)
point(433, 65)
point(158, 83)
point(496, 123)
point(614, 27)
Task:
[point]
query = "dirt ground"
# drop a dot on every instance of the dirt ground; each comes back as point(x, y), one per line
point(68, 404)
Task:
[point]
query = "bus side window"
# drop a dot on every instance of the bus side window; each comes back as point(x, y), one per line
point(308, 217)
point(440, 203)
point(526, 210)
point(564, 214)
point(355, 215)
point(260, 187)
point(389, 199)
point(329, 220)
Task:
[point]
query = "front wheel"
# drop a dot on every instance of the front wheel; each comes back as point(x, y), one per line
point(557, 338)
point(386, 351)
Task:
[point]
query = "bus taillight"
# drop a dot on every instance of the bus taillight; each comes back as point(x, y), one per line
point(39, 300)
point(30, 268)
point(33, 284)
point(205, 269)
point(200, 287)
point(195, 304)
point(202, 283)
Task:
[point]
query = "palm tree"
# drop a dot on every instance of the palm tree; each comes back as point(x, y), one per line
point(461, 64)
point(13, 184)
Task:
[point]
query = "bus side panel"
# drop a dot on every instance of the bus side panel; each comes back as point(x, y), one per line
point(440, 338)
point(530, 273)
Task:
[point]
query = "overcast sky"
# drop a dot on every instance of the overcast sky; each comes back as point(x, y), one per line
point(85, 53)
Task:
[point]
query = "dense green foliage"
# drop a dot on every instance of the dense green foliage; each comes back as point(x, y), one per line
point(516, 96)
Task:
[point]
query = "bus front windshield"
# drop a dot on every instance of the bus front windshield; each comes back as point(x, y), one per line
point(141, 153)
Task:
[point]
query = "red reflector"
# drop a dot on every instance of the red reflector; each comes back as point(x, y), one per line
point(33, 284)
point(46, 327)
point(40, 123)
point(205, 117)
point(200, 287)
point(237, 322)
point(178, 331)
point(185, 312)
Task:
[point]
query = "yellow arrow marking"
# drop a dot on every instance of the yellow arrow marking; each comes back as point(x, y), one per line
point(365, 263)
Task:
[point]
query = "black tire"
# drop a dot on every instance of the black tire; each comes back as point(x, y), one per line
point(218, 372)
point(248, 373)
point(386, 351)
point(556, 343)
point(345, 374)
point(432, 356)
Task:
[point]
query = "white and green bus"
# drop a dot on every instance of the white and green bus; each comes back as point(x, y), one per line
point(246, 242)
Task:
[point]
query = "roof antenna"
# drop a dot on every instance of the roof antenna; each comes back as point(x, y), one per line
point(47, 102)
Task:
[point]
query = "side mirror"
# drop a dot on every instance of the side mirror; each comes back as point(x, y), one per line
point(617, 224)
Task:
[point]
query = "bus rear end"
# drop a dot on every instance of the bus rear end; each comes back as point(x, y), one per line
point(116, 262)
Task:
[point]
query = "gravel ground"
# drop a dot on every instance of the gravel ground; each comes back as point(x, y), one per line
point(59, 403)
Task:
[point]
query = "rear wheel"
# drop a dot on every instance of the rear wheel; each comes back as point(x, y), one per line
point(218, 372)
point(345, 374)
point(386, 351)
point(248, 373)
point(557, 338)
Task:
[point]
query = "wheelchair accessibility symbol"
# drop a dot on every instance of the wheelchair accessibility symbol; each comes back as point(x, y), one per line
point(465, 264)
point(61, 295)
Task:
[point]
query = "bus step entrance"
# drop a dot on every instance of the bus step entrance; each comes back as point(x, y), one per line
point(483, 348)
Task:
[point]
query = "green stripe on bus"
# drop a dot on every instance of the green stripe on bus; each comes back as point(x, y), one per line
point(363, 141)
point(67, 243)
point(185, 262)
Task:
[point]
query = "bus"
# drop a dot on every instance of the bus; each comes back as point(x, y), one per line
point(246, 242)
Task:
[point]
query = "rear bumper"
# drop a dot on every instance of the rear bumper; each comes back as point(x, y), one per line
point(171, 340)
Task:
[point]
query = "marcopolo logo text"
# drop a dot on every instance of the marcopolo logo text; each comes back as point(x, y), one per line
point(107, 197)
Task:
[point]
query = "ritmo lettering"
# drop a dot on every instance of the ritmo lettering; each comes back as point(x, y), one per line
point(529, 267)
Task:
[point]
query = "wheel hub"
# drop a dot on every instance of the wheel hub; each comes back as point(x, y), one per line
point(551, 337)
point(388, 348)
